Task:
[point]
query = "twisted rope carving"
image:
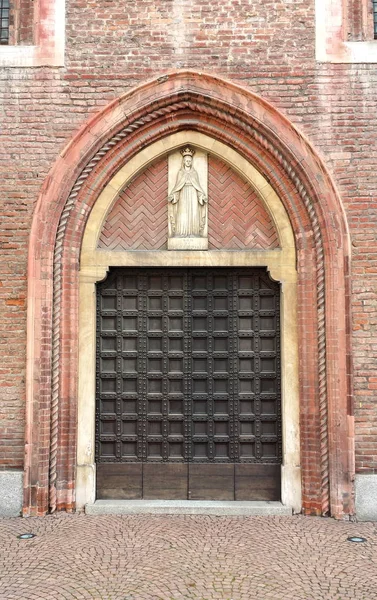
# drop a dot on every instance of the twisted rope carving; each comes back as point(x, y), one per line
point(320, 283)
point(57, 274)
point(57, 287)
point(321, 340)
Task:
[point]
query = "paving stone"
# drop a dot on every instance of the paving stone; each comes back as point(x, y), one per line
point(171, 557)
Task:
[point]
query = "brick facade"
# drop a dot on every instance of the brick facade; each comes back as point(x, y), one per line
point(266, 48)
point(137, 220)
point(237, 217)
point(359, 23)
point(22, 22)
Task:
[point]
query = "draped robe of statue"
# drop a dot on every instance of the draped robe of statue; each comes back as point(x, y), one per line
point(189, 198)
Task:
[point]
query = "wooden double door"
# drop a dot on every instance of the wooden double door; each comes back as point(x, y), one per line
point(188, 385)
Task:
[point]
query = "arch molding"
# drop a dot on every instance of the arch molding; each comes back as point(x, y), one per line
point(268, 141)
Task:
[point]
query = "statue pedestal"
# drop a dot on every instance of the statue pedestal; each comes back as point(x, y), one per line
point(188, 243)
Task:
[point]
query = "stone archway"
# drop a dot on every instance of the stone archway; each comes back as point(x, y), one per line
point(281, 263)
point(265, 139)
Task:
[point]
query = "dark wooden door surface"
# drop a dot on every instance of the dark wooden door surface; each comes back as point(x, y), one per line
point(188, 385)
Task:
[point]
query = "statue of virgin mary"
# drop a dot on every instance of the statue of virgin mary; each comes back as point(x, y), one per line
point(189, 199)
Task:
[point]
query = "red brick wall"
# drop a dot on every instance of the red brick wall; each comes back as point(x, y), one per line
point(237, 218)
point(21, 23)
point(229, 35)
point(358, 24)
point(138, 219)
point(268, 47)
point(25, 21)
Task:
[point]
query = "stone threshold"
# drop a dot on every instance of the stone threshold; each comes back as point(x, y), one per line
point(186, 507)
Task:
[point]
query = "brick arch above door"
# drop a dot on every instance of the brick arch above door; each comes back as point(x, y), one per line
point(264, 138)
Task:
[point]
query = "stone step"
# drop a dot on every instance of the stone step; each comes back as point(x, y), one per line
point(186, 507)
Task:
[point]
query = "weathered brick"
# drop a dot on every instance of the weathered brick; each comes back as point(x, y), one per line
point(267, 47)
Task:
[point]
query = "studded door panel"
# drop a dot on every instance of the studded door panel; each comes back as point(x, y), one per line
point(188, 377)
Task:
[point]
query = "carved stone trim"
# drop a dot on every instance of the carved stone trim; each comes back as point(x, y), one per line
point(268, 142)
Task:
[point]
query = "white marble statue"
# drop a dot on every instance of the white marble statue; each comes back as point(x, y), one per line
point(188, 199)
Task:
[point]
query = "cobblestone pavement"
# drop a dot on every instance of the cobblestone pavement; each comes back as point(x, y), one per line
point(179, 557)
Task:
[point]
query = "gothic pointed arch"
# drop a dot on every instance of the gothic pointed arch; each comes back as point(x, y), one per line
point(266, 139)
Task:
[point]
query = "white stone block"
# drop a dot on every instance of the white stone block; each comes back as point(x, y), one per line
point(366, 497)
point(11, 487)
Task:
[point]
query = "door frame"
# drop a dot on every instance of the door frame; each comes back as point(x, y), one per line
point(280, 263)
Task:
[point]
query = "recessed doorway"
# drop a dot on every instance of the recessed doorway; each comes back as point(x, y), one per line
point(188, 401)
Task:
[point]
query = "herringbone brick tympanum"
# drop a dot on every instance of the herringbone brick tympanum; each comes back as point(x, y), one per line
point(139, 217)
point(237, 217)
